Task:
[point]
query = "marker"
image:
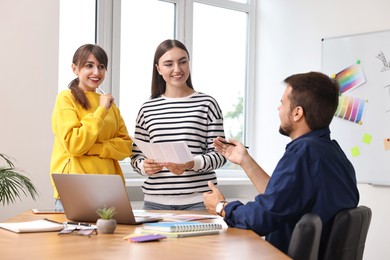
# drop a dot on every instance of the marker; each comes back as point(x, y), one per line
point(228, 143)
point(53, 221)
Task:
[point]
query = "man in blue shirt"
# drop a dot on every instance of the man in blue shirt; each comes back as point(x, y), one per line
point(314, 175)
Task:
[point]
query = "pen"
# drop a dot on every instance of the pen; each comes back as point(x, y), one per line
point(78, 224)
point(101, 91)
point(228, 143)
point(53, 221)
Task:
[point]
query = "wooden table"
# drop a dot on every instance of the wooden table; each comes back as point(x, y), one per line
point(231, 244)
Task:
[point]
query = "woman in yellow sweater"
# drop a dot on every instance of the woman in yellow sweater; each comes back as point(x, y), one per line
point(90, 134)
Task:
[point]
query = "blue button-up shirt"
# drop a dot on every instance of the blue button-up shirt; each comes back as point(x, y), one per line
point(314, 175)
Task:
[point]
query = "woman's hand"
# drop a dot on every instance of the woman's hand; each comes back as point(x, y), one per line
point(151, 167)
point(106, 100)
point(179, 168)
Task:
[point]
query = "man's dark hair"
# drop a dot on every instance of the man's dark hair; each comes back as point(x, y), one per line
point(317, 94)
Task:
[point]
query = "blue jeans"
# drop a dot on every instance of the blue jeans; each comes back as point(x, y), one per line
point(155, 206)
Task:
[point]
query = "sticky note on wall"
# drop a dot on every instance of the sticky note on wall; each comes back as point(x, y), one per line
point(386, 143)
point(355, 151)
point(367, 138)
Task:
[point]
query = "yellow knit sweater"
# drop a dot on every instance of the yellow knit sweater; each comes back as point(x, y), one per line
point(87, 141)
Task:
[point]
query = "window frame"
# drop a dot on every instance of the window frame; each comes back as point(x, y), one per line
point(108, 18)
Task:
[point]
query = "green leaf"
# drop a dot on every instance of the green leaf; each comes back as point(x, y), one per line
point(106, 213)
point(13, 184)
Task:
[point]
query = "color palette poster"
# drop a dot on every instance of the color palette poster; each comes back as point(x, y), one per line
point(351, 108)
point(350, 77)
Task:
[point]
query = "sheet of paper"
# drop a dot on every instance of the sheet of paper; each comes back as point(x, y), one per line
point(146, 214)
point(175, 152)
point(190, 217)
point(41, 225)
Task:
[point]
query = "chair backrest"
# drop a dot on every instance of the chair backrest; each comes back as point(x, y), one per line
point(306, 237)
point(348, 234)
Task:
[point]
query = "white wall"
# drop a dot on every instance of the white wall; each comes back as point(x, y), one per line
point(28, 87)
point(288, 42)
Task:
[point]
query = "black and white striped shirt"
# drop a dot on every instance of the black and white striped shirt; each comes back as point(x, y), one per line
point(197, 120)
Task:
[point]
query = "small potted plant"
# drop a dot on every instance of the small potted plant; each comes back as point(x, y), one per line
point(106, 224)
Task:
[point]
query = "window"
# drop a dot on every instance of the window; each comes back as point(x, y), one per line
point(137, 45)
point(77, 27)
point(219, 35)
point(219, 62)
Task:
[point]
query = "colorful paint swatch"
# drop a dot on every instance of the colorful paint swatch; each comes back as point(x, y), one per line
point(386, 143)
point(350, 77)
point(351, 108)
point(355, 151)
point(367, 138)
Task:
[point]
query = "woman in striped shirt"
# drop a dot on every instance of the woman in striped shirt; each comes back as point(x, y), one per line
point(176, 112)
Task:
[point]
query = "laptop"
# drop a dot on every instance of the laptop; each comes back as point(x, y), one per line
point(82, 194)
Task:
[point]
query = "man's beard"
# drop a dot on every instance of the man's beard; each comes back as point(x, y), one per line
point(286, 131)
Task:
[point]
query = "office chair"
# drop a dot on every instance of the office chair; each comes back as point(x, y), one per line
point(305, 239)
point(348, 234)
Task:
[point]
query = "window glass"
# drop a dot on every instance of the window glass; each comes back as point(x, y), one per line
point(219, 62)
point(77, 27)
point(215, 36)
point(241, 1)
point(215, 33)
point(141, 32)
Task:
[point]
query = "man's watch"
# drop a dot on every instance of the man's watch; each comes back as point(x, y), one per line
point(220, 207)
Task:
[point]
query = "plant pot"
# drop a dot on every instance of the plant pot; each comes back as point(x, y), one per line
point(106, 226)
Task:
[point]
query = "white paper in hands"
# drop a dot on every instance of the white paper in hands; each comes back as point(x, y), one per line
point(174, 152)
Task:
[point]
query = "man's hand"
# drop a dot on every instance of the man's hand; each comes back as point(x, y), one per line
point(233, 150)
point(212, 198)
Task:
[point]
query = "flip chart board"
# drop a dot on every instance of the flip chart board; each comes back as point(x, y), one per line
point(361, 65)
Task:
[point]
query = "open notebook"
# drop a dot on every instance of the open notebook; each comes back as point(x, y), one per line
point(82, 194)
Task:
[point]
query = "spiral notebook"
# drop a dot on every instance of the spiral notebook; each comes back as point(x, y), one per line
point(182, 226)
point(182, 229)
